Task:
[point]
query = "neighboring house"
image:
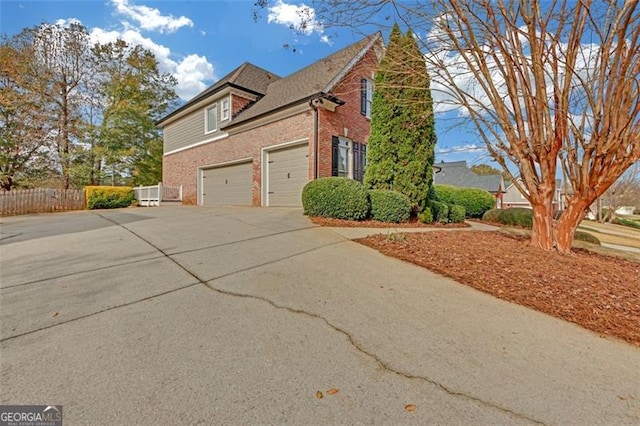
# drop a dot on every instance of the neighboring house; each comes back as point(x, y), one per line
point(457, 173)
point(254, 138)
point(514, 198)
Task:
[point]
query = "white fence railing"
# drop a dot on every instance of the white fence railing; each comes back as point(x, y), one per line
point(154, 195)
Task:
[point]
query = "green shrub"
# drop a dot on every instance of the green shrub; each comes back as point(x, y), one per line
point(336, 197)
point(389, 206)
point(474, 200)
point(627, 222)
point(491, 215)
point(445, 193)
point(518, 216)
point(426, 216)
point(109, 197)
point(440, 211)
point(586, 237)
point(456, 213)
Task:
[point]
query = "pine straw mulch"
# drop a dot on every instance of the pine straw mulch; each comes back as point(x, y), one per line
point(413, 223)
point(598, 292)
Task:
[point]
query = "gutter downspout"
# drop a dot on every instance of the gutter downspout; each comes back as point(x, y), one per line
point(315, 138)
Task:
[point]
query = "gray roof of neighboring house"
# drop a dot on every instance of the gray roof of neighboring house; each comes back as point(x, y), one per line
point(247, 77)
point(457, 173)
point(308, 82)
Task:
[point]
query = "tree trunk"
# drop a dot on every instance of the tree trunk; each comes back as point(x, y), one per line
point(542, 230)
point(567, 225)
point(6, 185)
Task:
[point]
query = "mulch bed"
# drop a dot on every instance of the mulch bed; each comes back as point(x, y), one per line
point(598, 292)
point(413, 223)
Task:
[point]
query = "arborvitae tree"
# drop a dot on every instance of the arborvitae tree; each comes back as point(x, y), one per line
point(400, 152)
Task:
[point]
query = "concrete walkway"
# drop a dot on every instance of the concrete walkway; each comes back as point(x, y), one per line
point(240, 315)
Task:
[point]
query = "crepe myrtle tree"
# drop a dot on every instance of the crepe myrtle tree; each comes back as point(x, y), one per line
point(552, 88)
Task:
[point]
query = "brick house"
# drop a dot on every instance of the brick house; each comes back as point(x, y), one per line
point(254, 138)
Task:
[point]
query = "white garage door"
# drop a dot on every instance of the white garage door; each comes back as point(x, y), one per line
point(288, 173)
point(228, 185)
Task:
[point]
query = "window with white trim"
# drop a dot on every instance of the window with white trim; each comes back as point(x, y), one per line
point(224, 109)
point(366, 97)
point(348, 158)
point(211, 119)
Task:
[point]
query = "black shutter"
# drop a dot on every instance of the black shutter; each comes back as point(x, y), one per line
point(356, 162)
point(363, 96)
point(334, 155)
point(363, 161)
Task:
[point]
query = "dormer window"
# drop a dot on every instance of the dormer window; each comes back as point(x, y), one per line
point(224, 109)
point(211, 119)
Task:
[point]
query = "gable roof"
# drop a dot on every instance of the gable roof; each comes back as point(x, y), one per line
point(317, 78)
point(247, 77)
point(457, 173)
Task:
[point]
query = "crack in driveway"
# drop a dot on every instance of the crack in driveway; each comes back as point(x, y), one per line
point(351, 339)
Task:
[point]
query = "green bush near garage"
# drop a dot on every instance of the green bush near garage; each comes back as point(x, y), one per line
point(389, 206)
point(336, 197)
point(474, 200)
point(426, 216)
point(109, 197)
point(456, 213)
point(440, 211)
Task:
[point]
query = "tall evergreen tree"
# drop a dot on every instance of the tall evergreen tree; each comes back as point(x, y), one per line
point(400, 152)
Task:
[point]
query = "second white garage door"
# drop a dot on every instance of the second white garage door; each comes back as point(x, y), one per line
point(228, 185)
point(288, 173)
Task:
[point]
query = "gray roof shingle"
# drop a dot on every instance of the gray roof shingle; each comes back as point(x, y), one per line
point(307, 82)
point(247, 76)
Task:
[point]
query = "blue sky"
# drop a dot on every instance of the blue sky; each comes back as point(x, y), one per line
point(200, 41)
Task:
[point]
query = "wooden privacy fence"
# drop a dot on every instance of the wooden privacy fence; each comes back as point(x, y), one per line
point(40, 200)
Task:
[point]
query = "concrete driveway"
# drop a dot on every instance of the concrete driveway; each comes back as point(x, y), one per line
point(184, 315)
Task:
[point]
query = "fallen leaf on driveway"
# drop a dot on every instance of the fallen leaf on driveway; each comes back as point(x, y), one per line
point(55, 314)
point(333, 391)
point(319, 395)
point(410, 407)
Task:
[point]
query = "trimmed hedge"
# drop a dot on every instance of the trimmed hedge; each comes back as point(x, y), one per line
point(456, 213)
point(440, 211)
point(389, 206)
point(474, 200)
point(586, 237)
point(491, 215)
point(336, 197)
point(426, 216)
point(524, 217)
point(109, 197)
point(518, 216)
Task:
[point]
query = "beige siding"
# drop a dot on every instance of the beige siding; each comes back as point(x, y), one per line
point(186, 131)
point(189, 130)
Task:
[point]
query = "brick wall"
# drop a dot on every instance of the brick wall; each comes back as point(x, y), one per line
point(181, 168)
point(348, 115)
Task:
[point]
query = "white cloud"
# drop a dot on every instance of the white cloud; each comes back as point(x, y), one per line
point(192, 72)
point(461, 148)
point(151, 19)
point(300, 18)
point(67, 22)
point(326, 39)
